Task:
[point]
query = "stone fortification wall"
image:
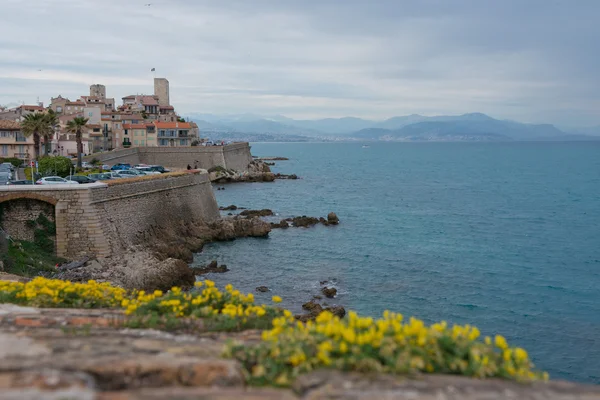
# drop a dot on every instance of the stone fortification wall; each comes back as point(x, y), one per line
point(78, 227)
point(181, 157)
point(233, 156)
point(17, 213)
point(134, 212)
point(101, 220)
point(237, 156)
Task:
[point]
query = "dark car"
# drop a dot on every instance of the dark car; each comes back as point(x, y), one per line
point(158, 168)
point(80, 179)
point(120, 167)
point(20, 182)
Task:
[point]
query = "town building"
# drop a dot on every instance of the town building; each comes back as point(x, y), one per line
point(161, 90)
point(173, 134)
point(13, 143)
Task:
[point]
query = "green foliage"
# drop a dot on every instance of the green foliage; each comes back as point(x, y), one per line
point(16, 162)
point(51, 165)
point(386, 345)
point(28, 259)
point(41, 240)
point(217, 168)
point(48, 226)
point(95, 161)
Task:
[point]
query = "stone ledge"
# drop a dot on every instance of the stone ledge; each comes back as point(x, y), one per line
point(80, 353)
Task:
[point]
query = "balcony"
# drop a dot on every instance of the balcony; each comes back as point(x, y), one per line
point(21, 139)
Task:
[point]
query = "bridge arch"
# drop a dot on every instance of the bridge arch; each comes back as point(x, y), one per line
point(20, 217)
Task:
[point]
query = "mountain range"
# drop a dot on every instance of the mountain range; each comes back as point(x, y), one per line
point(466, 127)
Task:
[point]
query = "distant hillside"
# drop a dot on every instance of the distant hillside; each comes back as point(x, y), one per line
point(466, 127)
point(463, 127)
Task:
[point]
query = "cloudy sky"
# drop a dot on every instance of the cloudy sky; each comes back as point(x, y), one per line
point(528, 60)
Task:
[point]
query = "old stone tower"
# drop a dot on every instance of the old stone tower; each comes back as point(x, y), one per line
point(98, 91)
point(161, 89)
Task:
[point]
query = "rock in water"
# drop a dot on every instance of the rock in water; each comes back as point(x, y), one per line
point(304, 221)
point(212, 265)
point(231, 207)
point(257, 213)
point(313, 307)
point(281, 224)
point(332, 218)
point(262, 289)
point(338, 311)
point(329, 292)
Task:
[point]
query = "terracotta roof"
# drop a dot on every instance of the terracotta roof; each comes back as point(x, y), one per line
point(131, 96)
point(134, 126)
point(167, 107)
point(31, 108)
point(106, 113)
point(76, 103)
point(172, 125)
point(9, 125)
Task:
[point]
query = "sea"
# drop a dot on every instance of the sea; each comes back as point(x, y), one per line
point(503, 236)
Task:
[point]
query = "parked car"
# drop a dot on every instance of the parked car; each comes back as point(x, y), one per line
point(158, 168)
point(105, 167)
point(105, 176)
point(147, 170)
point(54, 180)
point(140, 165)
point(115, 175)
point(7, 165)
point(120, 167)
point(81, 179)
point(20, 182)
point(128, 173)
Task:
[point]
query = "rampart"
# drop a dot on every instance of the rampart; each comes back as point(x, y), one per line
point(100, 219)
point(233, 156)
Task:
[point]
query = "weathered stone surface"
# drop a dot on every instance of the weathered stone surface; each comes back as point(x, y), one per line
point(257, 213)
point(283, 224)
point(327, 384)
point(304, 221)
point(332, 218)
point(56, 359)
point(231, 207)
point(212, 267)
point(262, 289)
point(337, 311)
point(329, 292)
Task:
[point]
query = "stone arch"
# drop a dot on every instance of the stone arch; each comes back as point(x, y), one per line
point(19, 210)
point(29, 195)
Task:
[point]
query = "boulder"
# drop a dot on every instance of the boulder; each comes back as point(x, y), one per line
point(262, 289)
point(313, 307)
point(281, 224)
point(304, 221)
point(257, 213)
point(338, 311)
point(332, 218)
point(231, 207)
point(213, 267)
point(231, 228)
point(329, 292)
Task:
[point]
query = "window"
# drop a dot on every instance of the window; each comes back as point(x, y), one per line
point(69, 108)
point(135, 142)
point(90, 114)
point(4, 150)
point(182, 142)
point(142, 143)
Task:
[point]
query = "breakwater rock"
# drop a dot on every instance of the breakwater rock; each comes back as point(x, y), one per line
point(306, 222)
point(257, 171)
point(212, 267)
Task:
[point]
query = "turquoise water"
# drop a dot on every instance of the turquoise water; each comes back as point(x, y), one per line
point(501, 235)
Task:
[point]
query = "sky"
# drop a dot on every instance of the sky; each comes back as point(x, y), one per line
point(527, 60)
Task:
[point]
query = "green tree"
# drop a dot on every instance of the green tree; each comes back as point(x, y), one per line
point(37, 125)
point(56, 165)
point(52, 121)
point(76, 125)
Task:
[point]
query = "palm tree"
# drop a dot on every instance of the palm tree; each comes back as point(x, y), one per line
point(75, 126)
point(35, 124)
point(52, 122)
